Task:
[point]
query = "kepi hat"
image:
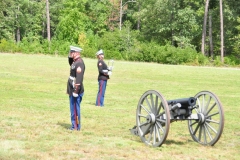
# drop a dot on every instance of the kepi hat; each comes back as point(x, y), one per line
point(100, 52)
point(75, 49)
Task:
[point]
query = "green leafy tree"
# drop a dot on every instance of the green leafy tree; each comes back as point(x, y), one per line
point(7, 19)
point(82, 16)
point(185, 27)
point(98, 13)
point(166, 21)
point(231, 25)
point(236, 44)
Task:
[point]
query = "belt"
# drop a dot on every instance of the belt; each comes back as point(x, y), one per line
point(72, 78)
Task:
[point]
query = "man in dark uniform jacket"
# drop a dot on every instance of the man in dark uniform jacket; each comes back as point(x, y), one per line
point(103, 77)
point(75, 87)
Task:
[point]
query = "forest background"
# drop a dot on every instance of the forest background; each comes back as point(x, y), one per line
point(162, 31)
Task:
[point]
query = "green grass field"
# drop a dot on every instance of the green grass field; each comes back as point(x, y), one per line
point(35, 116)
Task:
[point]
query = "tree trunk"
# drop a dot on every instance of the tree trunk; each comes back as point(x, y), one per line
point(204, 27)
point(120, 16)
point(138, 23)
point(48, 21)
point(43, 27)
point(210, 35)
point(222, 38)
point(18, 35)
point(18, 28)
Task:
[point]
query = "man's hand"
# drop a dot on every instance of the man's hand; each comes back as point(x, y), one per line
point(75, 94)
point(109, 73)
point(75, 91)
point(105, 72)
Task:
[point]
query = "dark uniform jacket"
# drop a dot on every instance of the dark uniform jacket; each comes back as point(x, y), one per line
point(102, 66)
point(77, 70)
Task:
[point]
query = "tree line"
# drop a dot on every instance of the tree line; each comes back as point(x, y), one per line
point(164, 31)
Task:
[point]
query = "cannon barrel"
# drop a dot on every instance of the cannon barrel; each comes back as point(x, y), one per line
point(185, 102)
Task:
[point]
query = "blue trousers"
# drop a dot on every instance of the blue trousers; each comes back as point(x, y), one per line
point(101, 92)
point(75, 111)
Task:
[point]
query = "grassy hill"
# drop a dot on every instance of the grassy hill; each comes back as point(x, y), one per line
point(35, 115)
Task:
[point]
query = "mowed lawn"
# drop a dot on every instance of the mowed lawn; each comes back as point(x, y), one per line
point(35, 116)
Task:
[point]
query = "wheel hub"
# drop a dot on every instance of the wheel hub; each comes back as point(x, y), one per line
point(151, 118)
point(201, 118)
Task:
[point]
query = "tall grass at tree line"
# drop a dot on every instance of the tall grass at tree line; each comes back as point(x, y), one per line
point(34, 110)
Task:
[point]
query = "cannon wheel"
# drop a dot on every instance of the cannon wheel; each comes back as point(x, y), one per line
point(208, 128)
point(153, 118)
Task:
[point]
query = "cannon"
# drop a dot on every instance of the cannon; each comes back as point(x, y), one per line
point(203, 112)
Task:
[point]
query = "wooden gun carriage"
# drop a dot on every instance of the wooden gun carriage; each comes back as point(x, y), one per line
point(204, 113)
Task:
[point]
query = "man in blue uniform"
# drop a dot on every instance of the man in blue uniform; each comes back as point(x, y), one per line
point(103, 77)
point(75, 87)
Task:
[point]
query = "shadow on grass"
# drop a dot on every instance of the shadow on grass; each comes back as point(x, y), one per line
point(64, 125)
point(168, 142)
point(91, 103)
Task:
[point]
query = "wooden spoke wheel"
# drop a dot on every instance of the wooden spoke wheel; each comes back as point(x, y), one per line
point(208, 128)
point(153, 118)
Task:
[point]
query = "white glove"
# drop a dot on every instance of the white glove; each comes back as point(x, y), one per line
point(75, 94)
point(109, 73)
point(105, 71)
point(110, 68)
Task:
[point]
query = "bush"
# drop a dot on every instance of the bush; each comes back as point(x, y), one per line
point(59, 47)
point(171, 55)
point(232, 60)
point(8, 46)
point(217, 61)
point(89, 52)
point(201, 60)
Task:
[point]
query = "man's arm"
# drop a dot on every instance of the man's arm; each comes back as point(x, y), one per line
point(101, 68)
point(79, 77)
point(70, 58)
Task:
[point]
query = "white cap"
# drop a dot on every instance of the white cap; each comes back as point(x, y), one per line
point(75, 49)
point(99, 52)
